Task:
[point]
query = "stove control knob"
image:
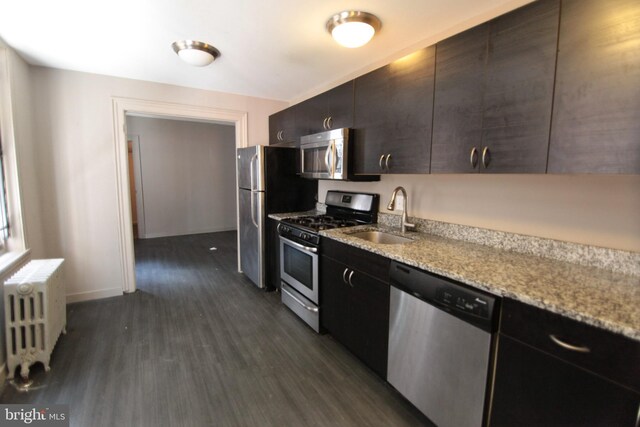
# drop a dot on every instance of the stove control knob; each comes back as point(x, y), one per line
point(305, 236)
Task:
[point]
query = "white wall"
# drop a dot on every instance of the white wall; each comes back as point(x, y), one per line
point(600, 210)
point(76, 158)
point(188, 176)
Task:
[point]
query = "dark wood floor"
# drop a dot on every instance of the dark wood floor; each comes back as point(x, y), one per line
point(199, 345)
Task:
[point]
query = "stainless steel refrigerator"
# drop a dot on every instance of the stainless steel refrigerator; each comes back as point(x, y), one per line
point(267, 183)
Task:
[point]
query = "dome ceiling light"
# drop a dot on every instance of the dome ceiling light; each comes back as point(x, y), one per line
point(195, 53)
point(353, 28)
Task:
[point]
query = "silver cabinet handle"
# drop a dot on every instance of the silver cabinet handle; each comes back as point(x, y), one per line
point(344, 275)
point(312, 309)
point(324, 123)
point(349, 279)
point(386, 162)
point(567, 346)
point(473, 157)
point(329, 120)
point(486, 157)
point(279, 135)
point(298, 245)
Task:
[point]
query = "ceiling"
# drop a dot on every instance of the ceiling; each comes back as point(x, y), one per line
point(276, 49)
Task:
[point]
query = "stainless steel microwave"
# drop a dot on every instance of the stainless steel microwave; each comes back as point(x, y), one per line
point(326, 155)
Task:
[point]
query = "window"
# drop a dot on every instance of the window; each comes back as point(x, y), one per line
point(4, 220)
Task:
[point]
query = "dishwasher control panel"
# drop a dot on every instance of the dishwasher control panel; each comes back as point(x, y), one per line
point(463, 301)
point(472, 305)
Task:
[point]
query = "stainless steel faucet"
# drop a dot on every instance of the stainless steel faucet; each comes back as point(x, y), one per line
point(404, 221)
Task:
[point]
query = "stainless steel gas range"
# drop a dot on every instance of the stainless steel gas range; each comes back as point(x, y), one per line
point(300, 249)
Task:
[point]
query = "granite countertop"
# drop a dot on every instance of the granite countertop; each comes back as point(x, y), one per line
point(592, 295)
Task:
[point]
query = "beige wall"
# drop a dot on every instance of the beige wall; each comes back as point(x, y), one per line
point(600, 210)
point(188, 176)
point(76, 165)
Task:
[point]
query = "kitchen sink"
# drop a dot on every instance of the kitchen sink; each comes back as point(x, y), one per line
point(381, 237)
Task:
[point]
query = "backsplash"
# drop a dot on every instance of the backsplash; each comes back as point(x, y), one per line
point(590, 210)
point(615, 260)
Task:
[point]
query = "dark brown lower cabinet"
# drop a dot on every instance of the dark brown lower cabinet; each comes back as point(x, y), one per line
point(555, 371)
point(533, 388)
point(355, 310)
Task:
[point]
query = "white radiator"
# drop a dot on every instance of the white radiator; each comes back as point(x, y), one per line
point(35, 314)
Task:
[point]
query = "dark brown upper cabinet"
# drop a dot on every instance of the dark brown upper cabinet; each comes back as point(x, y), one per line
point(283, 126)
point(332, 109)
point(494, 92)
point(458, 100)
point(596, 111)
point(393, 116)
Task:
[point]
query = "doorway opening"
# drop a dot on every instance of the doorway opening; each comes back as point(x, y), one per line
point(184, 177)
point(124, 107)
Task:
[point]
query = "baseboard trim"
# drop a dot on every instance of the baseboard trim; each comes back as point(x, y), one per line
point(91, 295)
point(186, 233)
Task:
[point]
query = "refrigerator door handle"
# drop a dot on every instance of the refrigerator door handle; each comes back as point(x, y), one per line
point(251, 176)
point(253, 217)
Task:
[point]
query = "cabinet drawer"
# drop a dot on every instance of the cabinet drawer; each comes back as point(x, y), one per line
point(358, 259)
point(613, 356)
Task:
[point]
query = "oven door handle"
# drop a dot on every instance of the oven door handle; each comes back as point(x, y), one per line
point(296, 299)
point(298, 245)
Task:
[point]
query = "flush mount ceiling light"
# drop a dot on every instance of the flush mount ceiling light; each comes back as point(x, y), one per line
point(353, 28)
point(195, 53)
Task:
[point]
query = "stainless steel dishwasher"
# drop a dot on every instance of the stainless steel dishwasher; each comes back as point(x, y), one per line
point(440, 345)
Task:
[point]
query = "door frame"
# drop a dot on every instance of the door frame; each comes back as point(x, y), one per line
point(123, 107)
point(137, 177)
